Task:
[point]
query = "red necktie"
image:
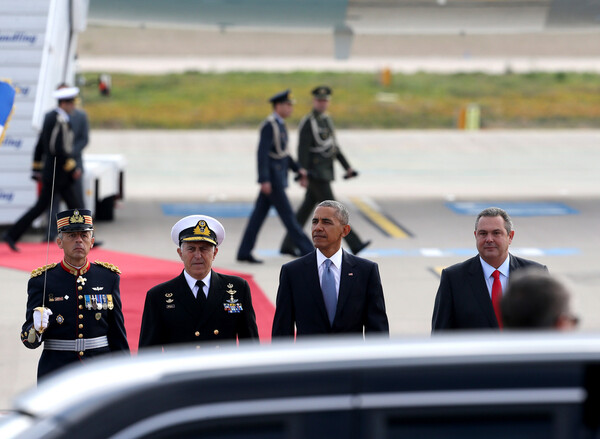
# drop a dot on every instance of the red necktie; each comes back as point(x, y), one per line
point(496, 296)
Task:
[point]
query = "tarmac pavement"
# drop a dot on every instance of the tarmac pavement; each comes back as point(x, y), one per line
point(156, 50)
point(413, 177)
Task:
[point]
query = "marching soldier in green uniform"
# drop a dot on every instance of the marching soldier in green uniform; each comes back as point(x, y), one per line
point(74, 307)
point(317, 150)
point(200, 306)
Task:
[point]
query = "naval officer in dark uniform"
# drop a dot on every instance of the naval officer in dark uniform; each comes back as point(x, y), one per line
point(273, 163)
point(317, 150)
point(53, 164)
point(78, 316)
point(200, 306)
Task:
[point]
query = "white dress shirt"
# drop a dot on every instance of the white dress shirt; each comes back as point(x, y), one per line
point(192, 283)
point(488, 270)
point(336, 267)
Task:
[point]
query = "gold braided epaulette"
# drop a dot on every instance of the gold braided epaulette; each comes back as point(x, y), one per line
point(109, 266)
point(40, 270)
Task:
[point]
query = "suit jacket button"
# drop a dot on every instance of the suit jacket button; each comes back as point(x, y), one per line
point(80, 336)
point(80, 326)
point(80, 297)
point(81, 354)
point(80, 316)
point(197, 333)
point(80, 306)
point(216, 332)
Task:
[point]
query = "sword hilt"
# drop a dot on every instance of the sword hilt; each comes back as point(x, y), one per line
point(41, 310)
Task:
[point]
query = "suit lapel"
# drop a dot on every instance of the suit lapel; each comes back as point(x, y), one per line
point(480, 291)
point(346, 283)
point(514, 263)
point(184, 295)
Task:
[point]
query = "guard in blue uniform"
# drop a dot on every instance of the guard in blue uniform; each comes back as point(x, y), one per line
point(273, 163)
point(78, 314)
point(200, 306)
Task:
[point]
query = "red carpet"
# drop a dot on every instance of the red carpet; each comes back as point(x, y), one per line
point(138, 275)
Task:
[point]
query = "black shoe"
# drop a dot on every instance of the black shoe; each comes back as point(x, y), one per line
point(362, 247)
point(250, 259)
point(11, 242)
point(292, 252)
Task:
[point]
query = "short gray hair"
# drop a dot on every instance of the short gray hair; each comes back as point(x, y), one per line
point(493, 212)
point(341, 212)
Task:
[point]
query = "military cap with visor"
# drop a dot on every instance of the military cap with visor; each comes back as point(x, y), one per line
point(66, 93)
point(194, 228)
point(322, 92)
point(74, 220)
point(282, 96)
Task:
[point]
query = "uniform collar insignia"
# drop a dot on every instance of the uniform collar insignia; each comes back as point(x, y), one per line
point(74, 270)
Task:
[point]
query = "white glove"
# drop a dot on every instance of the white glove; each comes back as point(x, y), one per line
point(41, 317)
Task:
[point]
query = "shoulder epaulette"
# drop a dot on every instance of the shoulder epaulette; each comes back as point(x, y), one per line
point(109, 266)
point(40, 270)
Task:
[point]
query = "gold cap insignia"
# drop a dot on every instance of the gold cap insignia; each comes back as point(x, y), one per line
point(202, 229)
point(76, 218)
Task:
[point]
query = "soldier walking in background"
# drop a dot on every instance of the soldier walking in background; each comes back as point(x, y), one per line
point(81, 129)
point(55, 143)
point(273, 163)
point(317, 150)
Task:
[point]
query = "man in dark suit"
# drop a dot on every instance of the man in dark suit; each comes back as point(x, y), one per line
point(318, 149)
point(469, 293)
point(273, 163)
point(329, 291)
point(74, 307)
point(200, 306)
point(54, 144)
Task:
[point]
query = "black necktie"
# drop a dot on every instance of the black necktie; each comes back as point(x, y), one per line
point(200, 295)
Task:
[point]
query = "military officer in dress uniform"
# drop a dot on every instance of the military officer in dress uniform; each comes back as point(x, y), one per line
point(74, 307)
point(199, 306)
point(273, 163)
point(317, 150)
point(53, 164)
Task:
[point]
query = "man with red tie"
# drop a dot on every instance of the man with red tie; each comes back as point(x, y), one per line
point(469, 293)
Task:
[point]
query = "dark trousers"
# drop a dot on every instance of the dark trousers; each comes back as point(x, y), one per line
point(317, 191)
point(279, 200)
point(67, 192)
